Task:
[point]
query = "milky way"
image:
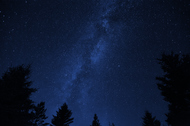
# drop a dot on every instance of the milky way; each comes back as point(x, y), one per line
point(88, 54)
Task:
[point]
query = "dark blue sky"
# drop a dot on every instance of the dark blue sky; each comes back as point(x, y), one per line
point(98, 56)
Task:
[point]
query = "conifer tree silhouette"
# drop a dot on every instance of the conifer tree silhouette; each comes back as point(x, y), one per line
point(175, 87)
point(39, 115)
point(148, 120)
point(17, 109)
point(63, 117)
point(95, 122)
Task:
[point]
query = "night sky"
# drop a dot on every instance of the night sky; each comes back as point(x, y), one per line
point(98, 56)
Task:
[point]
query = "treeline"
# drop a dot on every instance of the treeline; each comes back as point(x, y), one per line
point(175, 87)
point(17, 109)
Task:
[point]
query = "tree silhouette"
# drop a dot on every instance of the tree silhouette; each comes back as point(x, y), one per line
point(17, 109)
point(15, 92)
point(95, 122)
point(148, 120)
point(39, 115)
point(175, 87)
point(63, 117)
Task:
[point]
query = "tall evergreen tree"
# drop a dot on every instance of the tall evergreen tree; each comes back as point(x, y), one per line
point(17, 109)
point(15, 102)
point(95, 122)
point(148, 120)
point(175, 87)
point(63, 117)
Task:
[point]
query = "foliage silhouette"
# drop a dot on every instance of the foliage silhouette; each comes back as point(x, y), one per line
point(148, 120)
point(63, 117)
point(39, 115)
point(17, 109)
point(95, 122)
point(175, 87)
point(15, 95)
